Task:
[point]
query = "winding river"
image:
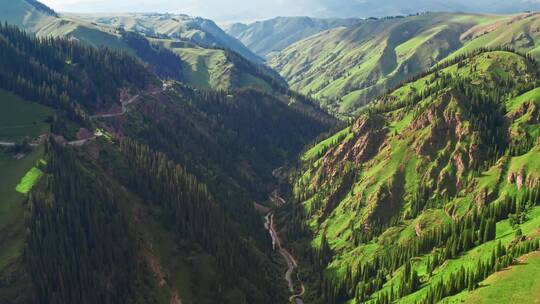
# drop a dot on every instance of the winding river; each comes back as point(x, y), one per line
point(292, 264)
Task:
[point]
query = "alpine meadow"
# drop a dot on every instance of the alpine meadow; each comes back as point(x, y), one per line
point(269, 152)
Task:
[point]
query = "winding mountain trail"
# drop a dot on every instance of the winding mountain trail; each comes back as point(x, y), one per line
point(123, 112)
point(165, 85)
point(292, 264)
point(12, 144)
point(81, 142)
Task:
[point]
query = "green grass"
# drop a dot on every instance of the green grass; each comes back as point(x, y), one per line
point(347, 68)
point(529, 162)
point(505, 234)
point(21, 119)
point(345, 71)
point(398, 126)
point(11, 208)
point(210, 68)
point(205, 68)
point(29, 180)
point(99, 38)
point(409, 47)
point(325, 144)
point(533, 95)
point(519, 283)
point(23, 14)
point(506, 30)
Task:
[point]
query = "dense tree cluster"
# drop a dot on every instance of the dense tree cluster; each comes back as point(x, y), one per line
point(81, 247)
point(160, 60)
point(184, 205)
point(276, 82)
point(227, 141)
point(230, 140)
point(78, 245)
point(65, 74)
point(445, 242)
point(469, 278)
point(459, 60)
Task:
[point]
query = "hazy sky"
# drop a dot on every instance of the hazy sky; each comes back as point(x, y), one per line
point(224, 11)
point(219, 10)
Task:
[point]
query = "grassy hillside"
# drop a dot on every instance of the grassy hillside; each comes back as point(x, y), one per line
point(12, 225)
point(196, 42)
point(268, 37)
point(220, 69)
point(27, 14)
point(518, 31)
point(20, 119)
point(346, 68)
point(202, 32)
point(517, 284)
point(447, 152)
point(36, 18)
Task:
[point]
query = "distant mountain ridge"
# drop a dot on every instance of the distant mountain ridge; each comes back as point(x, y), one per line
point(373, 8)
point(178, 26)
point(42, 7)
point(192, 50)
point(346, 68)
point(274, 35)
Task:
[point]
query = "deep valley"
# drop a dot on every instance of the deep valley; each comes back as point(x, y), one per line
point(336, 159)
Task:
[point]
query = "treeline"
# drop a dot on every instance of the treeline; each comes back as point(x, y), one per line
point(78, 245)
point(162, 61)
point(465, 278)
point(470, 278)
point(460, 59)
point(504, 87)
point(65, 74)
point(240, 64)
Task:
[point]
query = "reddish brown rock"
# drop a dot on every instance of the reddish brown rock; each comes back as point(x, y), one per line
point(369, 135)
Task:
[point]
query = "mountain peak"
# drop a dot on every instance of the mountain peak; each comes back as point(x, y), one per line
point(42, 7)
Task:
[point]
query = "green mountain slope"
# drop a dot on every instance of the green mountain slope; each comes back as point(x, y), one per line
point(36, 18)
point(268, 37)
point(27, 14)
point(519, 32)
point(221, 69)
point(434, 188)
point(346, 68)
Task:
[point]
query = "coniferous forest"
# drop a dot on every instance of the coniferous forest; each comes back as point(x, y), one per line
point(163, 158)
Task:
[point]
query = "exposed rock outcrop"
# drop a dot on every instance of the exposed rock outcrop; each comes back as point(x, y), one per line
point(369, 135)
